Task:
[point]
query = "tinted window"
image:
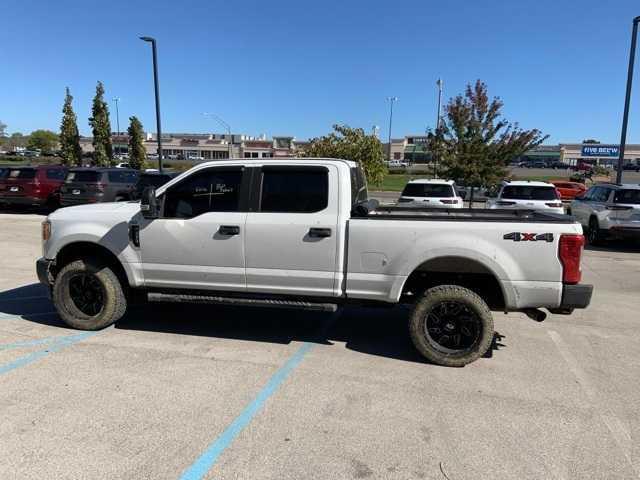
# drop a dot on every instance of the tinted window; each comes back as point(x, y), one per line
point(627, 196)
point(125, 176)
point(428, 190)
point(25, 173)
point(527, 192)
point(601, 194)
point(212, 190)
point(303, 190)
point(88, 176)
point(358, 186)
point(56, 173)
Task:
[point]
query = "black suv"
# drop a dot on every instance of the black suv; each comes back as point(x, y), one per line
point(152, 179)
point(92, 185)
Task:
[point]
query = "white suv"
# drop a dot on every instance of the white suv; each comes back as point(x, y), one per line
point(609, 210)
point(527, 195)
point(431, 194)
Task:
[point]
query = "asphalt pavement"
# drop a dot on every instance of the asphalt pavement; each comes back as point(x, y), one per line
point(221, 393)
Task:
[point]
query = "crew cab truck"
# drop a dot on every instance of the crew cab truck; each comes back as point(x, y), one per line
point(302, 233)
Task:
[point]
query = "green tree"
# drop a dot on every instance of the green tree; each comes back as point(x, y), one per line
point(351, 144)
point(474, 143)
point(71, 152)
point(99, 122)
point(137, 152)
point(44, 140)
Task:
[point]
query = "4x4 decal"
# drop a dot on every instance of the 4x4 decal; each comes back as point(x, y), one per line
point(528, 237)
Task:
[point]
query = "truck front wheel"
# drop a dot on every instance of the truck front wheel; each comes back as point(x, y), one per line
point(88, 296)
point(451, 326)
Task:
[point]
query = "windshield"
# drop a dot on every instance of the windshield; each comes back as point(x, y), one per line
point(22, 173)
point(428, 190)
point(89, 176)
point(627, 196)
point(527, 192)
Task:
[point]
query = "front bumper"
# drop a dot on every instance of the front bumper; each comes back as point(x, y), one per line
point(30, 201)
point(43, 269)
point(576, 296)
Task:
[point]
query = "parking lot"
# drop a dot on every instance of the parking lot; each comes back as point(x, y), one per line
point(225, 393)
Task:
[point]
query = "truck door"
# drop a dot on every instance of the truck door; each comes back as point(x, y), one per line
point(291, 234)
point(198, 241)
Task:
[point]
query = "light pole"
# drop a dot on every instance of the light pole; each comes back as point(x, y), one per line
point(116, 100)
point(226, 127)
point(627, 99)
point(391, 101)
point(157, 89)
point(439, 83)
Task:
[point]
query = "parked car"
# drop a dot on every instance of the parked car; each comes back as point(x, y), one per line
point(609, 211)
point(557, 165)
point(152, 179)
point(480, 193)
point(243, 233)
point(123, 165)
point(569, 190)
point(397, 164)
point(36, 185)
point(430, 194)
point(96, 184)
point(527, 195)
point(583, 167)
point(195, 158)
point(633, 167)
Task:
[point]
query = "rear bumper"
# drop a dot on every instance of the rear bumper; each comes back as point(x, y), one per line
point(576, 296)
point(43, 269)
point(22, 200)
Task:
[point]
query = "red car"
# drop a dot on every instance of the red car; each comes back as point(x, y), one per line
point(569, 190)
point(37, 185)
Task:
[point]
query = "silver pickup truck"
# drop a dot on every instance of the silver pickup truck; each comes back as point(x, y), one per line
point(301, 233)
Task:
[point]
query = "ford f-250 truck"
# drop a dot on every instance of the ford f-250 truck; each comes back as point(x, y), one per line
point(302, 233)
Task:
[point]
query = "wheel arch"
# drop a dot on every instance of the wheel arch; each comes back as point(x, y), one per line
point(459, 269)
point(90, 250)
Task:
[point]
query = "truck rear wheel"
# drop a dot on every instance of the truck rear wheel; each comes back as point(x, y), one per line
point(451, 326)
point(88, 296)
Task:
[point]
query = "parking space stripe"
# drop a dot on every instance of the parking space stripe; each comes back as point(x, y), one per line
point(209, 457)
point(54, 347)
point(30, 343)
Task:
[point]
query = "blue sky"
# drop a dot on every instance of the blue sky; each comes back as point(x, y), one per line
point(295, 68)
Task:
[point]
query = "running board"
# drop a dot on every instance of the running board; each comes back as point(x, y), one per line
point(243, 302)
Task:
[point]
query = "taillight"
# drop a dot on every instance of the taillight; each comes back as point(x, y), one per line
point(554, 204)
point(449, 202)
point(46, 230)
point(569, 252)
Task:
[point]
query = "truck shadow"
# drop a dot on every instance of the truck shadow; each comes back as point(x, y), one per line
point(623, 246)
point(373, 331)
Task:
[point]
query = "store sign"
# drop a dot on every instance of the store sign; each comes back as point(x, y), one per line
point(600, 151)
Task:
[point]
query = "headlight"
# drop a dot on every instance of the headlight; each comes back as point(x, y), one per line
point(46, 230)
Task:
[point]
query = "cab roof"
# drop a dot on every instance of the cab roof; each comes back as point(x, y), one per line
point(276, 161)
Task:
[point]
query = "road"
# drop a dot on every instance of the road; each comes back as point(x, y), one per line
point(222, 393)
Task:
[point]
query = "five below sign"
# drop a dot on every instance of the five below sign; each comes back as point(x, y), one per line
point(600, 151)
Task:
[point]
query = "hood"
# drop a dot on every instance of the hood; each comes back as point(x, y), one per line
point(124, 210)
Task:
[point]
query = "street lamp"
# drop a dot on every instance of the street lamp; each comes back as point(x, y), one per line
point(116, 100)
point(391, 101)
point(226, 127)
point(627, 99)
point(157, 89)
point(439, 83)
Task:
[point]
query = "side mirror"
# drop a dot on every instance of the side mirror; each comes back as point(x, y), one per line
point(149, 203)
point(362, 209)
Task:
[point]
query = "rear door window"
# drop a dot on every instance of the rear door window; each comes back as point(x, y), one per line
point(529, 192)
point(211, 190)
point(358, 186)
point(295, 190)
point(631, 197)
point(84, 176)
point(55, 173)
point(22, 173)
point(124, 176)
point(428, 190)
